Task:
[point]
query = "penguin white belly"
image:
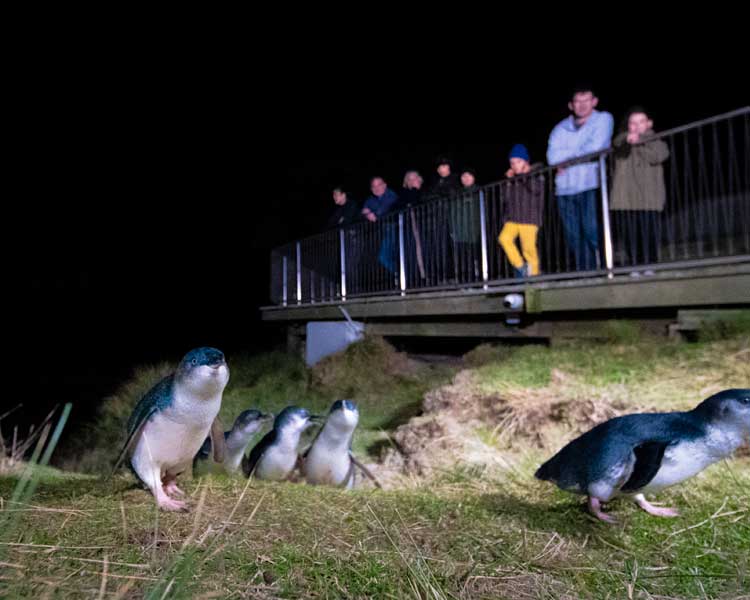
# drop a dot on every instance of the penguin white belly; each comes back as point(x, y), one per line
point(327, 466)
point(681, 462)
point(168, 444)
point(233, 460)
point(276, 464)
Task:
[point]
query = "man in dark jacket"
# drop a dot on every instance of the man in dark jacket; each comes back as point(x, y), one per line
point(376, 208)
point(446, 184)
point(347, 209)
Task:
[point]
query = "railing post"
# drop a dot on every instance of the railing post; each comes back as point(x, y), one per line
point(483, 227)
point(299, 273)
point(284, 290)
point(605, 215)
point(343, 264)
point(401, 254)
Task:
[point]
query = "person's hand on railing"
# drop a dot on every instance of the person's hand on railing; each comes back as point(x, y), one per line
point(369, 215)
point(509, 173)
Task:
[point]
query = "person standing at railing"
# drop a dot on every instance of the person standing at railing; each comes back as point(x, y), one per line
point(465, 228)
point(379, 204)
point(638, 192)
point(587, 130)
point(409, 197)
point(442, 190)
point(347, 209)
point(346, 213)
point(523, 203)
point(446, 184)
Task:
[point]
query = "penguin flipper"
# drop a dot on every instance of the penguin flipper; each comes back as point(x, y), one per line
point(205, 451)
point(250, 462)
point(218, 441)
point(133, 436)
point(648, 457)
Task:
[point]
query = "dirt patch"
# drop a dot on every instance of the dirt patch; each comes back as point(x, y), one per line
point(520, 586)
point(463, 424)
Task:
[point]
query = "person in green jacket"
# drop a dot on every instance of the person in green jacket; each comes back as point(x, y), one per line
point(638, 193)
point(465, 228)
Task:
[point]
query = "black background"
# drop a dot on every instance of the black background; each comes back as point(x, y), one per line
point(146, 201)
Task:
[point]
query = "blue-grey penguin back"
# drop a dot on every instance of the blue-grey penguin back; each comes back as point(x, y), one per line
point(280, 442)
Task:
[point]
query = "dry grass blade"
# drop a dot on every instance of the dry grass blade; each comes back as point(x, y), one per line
point(103, 586)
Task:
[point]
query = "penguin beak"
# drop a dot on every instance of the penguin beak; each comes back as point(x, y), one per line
point(317, 418)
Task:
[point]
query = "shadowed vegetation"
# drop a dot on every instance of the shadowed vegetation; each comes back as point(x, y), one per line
point(466, 530)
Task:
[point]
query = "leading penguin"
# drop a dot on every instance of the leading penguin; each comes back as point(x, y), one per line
point(638, 454)
point(170, 423)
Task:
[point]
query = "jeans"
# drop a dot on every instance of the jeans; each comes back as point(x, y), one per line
point(578, 214)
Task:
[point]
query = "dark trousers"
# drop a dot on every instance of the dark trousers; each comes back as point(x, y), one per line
point(578, 213)
point(639, 232)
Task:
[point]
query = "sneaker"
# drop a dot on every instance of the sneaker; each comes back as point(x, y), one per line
point(522, 272)
point(649, 273)
point(635, 274)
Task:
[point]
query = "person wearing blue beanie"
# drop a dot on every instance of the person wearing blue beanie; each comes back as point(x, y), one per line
point(519, 151)
point(523, 204)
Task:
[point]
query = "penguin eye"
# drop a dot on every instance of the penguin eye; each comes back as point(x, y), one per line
point(745, 400)
point(194, 361)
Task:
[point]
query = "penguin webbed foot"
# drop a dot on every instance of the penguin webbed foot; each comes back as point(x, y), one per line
point(653, 508)
point(170, 504)
point(595, 508)
point(170, 487)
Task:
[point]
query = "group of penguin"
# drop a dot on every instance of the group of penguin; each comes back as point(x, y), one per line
point(328, 460)
point(629, 456)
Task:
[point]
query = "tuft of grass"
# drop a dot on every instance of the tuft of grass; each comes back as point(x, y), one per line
point(725, 327)
point(623, 332)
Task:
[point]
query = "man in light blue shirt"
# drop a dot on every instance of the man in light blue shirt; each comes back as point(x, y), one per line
point(585, 131)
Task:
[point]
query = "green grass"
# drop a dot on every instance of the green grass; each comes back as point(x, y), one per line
point(448, 539)
point(466, 532)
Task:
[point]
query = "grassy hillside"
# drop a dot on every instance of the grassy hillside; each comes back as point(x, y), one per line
point(461, 515)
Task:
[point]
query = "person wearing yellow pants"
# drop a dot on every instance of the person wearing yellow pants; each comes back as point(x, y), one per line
point(523, 202)
point(527, 233)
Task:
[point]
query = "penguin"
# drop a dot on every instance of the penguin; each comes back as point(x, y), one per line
point(246, 425)
point(328, 461)
point(170, 423)
point(638, 454)
point(275, 456)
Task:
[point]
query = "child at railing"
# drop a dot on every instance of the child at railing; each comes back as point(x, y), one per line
point(523, 202)
point(638, 192)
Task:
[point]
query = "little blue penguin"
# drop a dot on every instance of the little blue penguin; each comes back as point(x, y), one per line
point(246, 425)
point(637, 454)
point(275, 456)
point(329, 459)
point(170, 423)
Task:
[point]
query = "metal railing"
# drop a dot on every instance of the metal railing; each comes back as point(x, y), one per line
point(701, 173)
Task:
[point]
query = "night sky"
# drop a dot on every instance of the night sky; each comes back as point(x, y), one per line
point(148, 215)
